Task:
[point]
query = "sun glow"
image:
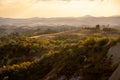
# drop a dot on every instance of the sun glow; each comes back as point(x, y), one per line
point(58, 8)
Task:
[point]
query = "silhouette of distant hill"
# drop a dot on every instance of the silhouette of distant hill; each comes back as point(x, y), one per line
point(87, 20)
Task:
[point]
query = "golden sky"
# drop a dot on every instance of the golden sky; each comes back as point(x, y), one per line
point(58, 8)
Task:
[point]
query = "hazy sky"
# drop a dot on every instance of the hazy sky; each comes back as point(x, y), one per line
point(58, 8)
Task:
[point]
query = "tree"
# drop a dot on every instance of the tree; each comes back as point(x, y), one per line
point(97, 26)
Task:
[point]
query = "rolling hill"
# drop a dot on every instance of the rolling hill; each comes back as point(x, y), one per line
point(114, 21)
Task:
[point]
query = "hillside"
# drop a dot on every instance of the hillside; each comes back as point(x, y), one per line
point(58, 59)
point(64, 53)
point(80, 33)
point(36, 26)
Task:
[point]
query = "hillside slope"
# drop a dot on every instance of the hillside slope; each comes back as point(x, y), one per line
point(83, 60)
point(81, 33)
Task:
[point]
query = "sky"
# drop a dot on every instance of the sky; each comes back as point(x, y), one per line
point(58, 8)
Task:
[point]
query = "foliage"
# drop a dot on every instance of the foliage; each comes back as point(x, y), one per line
point(83, 57)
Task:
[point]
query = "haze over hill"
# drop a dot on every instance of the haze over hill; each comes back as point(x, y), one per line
point(59, 39)
point(85, 21)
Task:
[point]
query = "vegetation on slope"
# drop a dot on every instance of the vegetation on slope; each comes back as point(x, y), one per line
point(84, 58)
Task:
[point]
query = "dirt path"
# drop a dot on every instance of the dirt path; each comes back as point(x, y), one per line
point(49, 36)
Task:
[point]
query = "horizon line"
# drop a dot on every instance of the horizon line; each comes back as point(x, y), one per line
point(61, 17)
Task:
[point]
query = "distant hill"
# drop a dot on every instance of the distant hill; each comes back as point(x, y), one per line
point(113, 21)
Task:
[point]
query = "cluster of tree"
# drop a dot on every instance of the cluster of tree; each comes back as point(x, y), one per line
point(16, 48)
point(32, 31)
point(86, 58)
